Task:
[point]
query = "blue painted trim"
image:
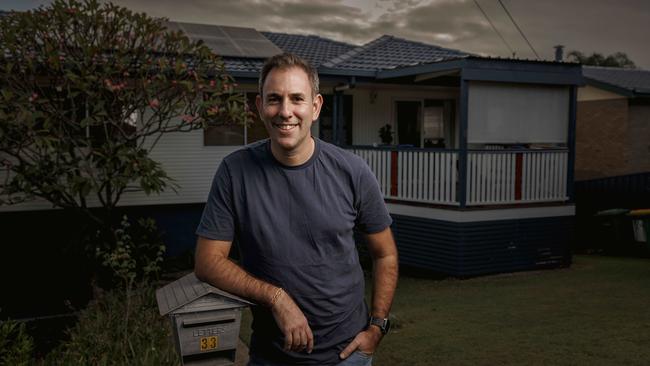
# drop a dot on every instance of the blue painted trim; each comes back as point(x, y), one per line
point(421, 69)
point(463, 106)
point(340, 120)
point(571, 143)
point(519, 71)
point(335, 117)
point(528, 77)
point(345, 72)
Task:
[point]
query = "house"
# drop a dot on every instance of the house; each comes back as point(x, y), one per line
point(613, 123)
point(612, 155)
point(479, 178)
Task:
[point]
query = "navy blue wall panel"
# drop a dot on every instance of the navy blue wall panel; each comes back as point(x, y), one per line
point(476, 248)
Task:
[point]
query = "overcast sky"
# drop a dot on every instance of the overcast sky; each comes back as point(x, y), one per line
point(604, 26)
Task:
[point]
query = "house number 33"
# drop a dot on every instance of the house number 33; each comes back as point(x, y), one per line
point(208, 343)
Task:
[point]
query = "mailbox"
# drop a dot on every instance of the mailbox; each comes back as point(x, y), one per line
point(205, 320)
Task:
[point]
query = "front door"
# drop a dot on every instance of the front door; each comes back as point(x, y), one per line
point(408, 122)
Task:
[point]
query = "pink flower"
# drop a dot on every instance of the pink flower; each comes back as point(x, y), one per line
point(154, 103)
point(33, 97)
point(187, 118)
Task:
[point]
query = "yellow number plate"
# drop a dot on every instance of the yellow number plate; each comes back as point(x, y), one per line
point(208, 343)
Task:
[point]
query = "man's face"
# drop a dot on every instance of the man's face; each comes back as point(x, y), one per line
point(288, 108)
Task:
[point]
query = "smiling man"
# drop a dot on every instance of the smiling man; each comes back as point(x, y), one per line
point(292, 202)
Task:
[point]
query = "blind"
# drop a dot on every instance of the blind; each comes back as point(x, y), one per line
point(517, 113)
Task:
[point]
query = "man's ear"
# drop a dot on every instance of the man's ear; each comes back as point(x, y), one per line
point(258, 103)
point(318, 104)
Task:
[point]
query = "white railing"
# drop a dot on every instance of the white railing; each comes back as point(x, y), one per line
point(427, 176)
point(379, 162)
point(544, 176)
point(505, 177)
point(494, 177)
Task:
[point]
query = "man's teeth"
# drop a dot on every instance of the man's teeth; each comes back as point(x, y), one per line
point(285, 127)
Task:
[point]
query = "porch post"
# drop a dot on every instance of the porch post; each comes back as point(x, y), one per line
point(462, 142)
point(571, 143)
point(337, 117)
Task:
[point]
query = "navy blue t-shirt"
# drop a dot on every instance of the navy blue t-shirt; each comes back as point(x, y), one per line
point(294, 229)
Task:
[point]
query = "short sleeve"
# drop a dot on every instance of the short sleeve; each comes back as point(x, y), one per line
point(372, 214)
point(218, 220)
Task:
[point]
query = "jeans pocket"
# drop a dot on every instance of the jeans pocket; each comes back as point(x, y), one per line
point(363, 354)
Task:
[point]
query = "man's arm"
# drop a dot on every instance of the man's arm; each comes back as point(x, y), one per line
point(212, 265)
point(383, 251)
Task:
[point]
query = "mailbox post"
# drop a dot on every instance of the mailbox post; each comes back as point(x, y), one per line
point(205, 320)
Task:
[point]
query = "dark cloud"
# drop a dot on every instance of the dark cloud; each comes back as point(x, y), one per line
point(604, 26)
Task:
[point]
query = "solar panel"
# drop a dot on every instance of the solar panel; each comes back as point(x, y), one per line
point(229, 41)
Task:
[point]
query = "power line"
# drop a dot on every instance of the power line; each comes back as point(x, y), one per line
point(519, 29)
point(495, 28)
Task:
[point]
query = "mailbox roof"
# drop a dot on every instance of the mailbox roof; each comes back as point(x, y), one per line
point(189, 289)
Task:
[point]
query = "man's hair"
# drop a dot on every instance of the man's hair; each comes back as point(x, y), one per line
point(285, 61)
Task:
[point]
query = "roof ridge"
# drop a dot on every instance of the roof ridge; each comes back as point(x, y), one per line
point(430, 45)
point(355, 51)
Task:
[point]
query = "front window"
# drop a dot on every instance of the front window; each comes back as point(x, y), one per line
point(234, 135)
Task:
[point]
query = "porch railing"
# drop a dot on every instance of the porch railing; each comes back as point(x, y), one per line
point(503, 177)
point(493, 176)
point(427, 176)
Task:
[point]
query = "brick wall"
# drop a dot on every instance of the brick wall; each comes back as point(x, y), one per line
point(638, 137)
point(601, 135)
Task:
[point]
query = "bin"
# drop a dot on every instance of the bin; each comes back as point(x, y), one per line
point(641, 225)
point(614, 231)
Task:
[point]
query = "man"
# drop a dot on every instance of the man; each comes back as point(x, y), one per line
point(292, 203)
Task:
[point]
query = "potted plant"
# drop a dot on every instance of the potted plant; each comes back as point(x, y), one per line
point(386, 134)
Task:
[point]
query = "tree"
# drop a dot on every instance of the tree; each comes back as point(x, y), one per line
point(618, 59)
point(87, 90)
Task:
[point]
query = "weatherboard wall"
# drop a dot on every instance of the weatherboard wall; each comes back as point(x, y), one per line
point(185, 159)
point(483, 247)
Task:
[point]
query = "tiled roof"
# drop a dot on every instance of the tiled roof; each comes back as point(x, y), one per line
point(634, 80)
point(240, 64)
point(314, 49)
point(389, 52)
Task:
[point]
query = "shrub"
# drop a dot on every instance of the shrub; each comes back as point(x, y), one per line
point(98, 338)
point(15, 344)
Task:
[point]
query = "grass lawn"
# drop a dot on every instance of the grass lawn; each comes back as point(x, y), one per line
point(595, 313)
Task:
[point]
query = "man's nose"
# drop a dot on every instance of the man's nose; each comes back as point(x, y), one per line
point(285, 110)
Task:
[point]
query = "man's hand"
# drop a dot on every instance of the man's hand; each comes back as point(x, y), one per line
point(293, 324)
point(366, 342)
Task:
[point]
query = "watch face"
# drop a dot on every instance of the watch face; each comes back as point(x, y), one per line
point(382, 323)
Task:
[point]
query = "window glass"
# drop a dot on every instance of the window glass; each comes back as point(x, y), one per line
point(230, 135)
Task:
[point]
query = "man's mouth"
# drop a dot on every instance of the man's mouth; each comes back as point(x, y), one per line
point(285, 126)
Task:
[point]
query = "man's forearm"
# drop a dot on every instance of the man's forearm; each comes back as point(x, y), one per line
point(214, 267)
point(385, 273)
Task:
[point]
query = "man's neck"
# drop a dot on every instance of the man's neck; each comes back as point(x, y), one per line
point(294, 157)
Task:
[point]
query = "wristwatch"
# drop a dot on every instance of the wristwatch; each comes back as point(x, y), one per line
point(382, 323)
